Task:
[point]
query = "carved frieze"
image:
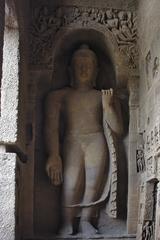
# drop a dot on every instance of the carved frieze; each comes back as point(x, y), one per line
point(152, 152)
point(47, 22)
point(151, 167)
point(147, 207)
point(141, 204)
point(148, 227)
point(152, 141)
point(149, 202)
point(151, 68)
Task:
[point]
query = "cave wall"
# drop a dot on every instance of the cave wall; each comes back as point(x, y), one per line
point(149, 118)
point(34, 189)
point(56, 29)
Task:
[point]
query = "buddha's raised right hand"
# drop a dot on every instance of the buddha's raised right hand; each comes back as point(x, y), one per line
point(54, 170)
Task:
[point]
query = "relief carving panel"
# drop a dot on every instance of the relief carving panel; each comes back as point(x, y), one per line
point(47, 22)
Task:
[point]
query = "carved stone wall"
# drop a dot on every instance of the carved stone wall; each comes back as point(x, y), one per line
point(149, 121)
point(12, 116)
point(8, 195)
point(22, 117)
point(2, 14)
point(50, 25)
point(46, 22)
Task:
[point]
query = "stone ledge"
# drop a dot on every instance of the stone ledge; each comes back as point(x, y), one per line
point(124, 237)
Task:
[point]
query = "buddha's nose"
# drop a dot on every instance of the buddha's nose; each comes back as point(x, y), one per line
point(83, 68)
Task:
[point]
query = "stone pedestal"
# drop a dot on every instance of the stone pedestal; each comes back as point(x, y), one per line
point(100, 237)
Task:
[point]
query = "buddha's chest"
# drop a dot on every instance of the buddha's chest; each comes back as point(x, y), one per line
point(82, 103)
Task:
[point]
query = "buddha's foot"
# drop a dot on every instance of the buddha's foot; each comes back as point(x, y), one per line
point(66, 229)
point(87, 229)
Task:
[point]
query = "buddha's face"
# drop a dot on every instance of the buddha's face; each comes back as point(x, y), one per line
point(84, 68)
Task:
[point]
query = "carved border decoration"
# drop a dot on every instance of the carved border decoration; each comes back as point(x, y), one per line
point(47, 22)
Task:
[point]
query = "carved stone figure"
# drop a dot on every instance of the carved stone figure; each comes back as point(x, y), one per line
point(148, 231)
point(79, 125)
point(140, 160)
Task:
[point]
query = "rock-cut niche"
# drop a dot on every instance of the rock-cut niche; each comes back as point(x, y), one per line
point(84, 189)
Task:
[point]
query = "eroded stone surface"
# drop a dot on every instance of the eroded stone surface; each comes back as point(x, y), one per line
point(149, 122)
point(9, 88)
point(143, 140)
point(7, 196)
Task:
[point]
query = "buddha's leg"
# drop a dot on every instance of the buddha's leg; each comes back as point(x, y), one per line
point(73, 186)
point(96, 161)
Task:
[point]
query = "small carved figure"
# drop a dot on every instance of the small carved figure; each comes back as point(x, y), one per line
point(111, 20)
point(112, 24)
point(155, 66)
point(156, 134)
point(150, 164)
point(148, 143)
point(93, 14)
point(122, 17)
point(152, 138)
point(148, 60)
point(101, 17)
point(129, 20)
point(140, 160)
point(109, 14)
point(56, 19)
point(79, 155)
point(148, 231)
point(85, 17)
point(76, 13)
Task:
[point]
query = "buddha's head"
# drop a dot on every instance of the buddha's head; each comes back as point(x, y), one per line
point(84, 67)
